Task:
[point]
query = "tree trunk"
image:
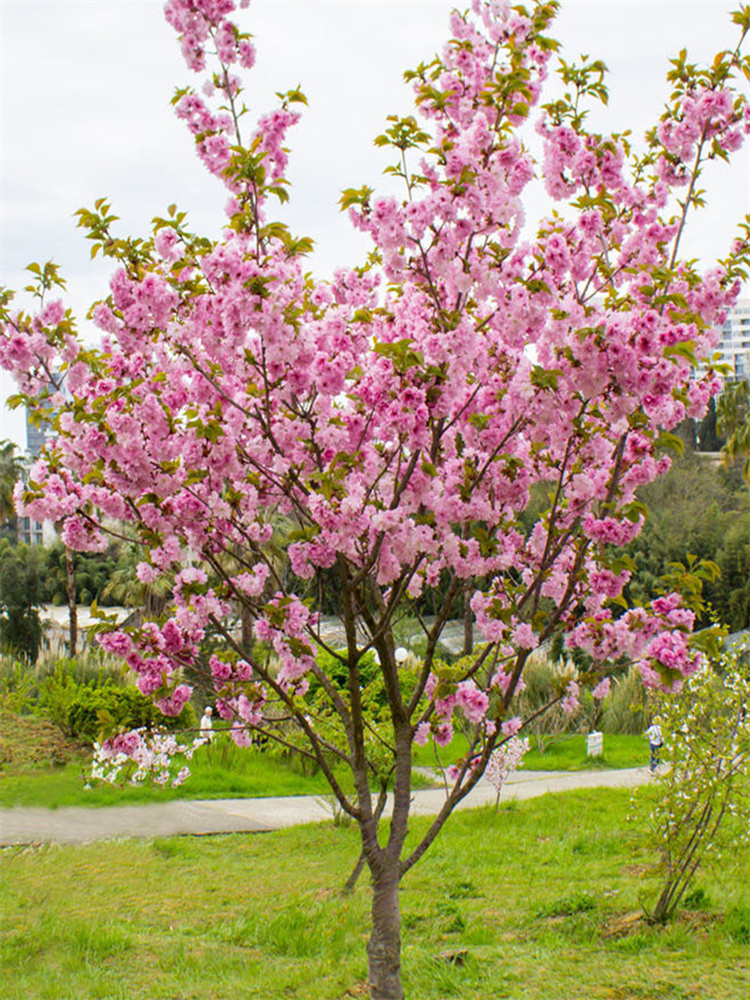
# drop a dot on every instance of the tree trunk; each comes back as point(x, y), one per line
point(72, 606)
point(384, 946)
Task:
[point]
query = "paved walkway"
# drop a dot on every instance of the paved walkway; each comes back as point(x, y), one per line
point(79, 824)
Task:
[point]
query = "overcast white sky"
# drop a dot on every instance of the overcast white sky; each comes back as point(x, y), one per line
point(85, 113)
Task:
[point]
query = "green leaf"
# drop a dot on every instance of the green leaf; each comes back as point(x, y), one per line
point(400, 354)
point(671, 442)
point(355, 196)
point(685, 349)
point(634, 510)
point(545, 378)
point(294, 96)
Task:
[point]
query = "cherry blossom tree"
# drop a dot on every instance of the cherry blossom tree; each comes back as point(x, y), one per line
point(400, 416)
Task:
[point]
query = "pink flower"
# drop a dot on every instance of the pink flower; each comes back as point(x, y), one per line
point(570, 702)
point(422, 733)
point(601, 690)
point(167, 244)
point(173, 642)
point(241, 735)
point(524, 637)
point(220, 671)
point(147, 573)
point(472, 701)
point(116, 642)
point(174, 703)
point(443, 734)
point(511, 726)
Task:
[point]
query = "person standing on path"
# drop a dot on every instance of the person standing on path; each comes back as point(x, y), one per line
point(206, 725)
point(655, 743)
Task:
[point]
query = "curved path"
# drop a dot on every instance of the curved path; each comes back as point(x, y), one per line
point(80, 824)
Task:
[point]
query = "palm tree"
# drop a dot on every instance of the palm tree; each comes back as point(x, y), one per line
point(125, 587)
point(12, 468)
point(733, 420)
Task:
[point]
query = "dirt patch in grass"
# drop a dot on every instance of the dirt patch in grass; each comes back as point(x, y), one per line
point(623, 924)
point(358, 990)
point(636, 869)
point(27, 740)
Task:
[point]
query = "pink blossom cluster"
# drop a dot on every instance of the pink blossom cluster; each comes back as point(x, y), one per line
point(284, 626)
point(601, 690)
point(241, 698)
point(199, 21)
point(704, 114)
point(655, 637)
point(157, 654)
point(570, 703)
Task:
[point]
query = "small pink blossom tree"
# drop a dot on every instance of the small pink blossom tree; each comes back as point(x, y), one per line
point(399, 416)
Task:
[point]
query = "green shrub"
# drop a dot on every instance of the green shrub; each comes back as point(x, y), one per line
point(119, 708)
point(91, 667)
point(58, 685)
point(339, 672)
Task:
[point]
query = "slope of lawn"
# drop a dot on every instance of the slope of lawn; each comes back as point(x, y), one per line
point(539, 901)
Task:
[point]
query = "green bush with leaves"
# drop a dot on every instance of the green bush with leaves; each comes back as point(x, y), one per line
point(336, 667)
point(56, 692)
point(108, 709)
point(730, 596)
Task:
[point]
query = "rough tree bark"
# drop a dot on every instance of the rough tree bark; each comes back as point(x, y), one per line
point(384, 946)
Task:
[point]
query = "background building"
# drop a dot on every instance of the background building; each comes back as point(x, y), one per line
point(28, 530)
point(735, 341)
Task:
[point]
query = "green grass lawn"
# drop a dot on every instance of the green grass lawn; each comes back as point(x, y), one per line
point(565, 753)
point(543, 897)
point(568, 753)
